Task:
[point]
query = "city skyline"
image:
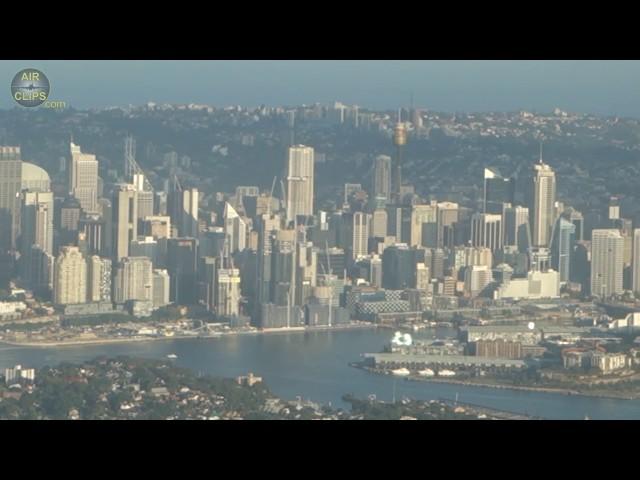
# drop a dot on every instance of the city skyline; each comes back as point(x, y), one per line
point(475, 250)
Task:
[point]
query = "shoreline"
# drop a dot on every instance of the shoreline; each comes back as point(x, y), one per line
point(108, 341)
point(524, 388)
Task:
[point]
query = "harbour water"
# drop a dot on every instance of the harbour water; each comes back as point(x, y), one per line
point(315, 366)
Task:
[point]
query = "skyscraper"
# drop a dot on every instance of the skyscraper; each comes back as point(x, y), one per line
point(145, 196)
point(575, 217)
point(182, 208)
point(516, 228)
point(636, 260)
point(300, 182)
point(497, 191)
point(235, 229)
point(486, 231)
point(134, 280)
point(83, 179)
point(182, 258)
point(541, 203)
point(614, 208)
point(399, 140)
point(378, 223)
point(607, 250)
point(360, 240)
point(161, 288)
point(268, 225)
point(70, 277)
point(98, 279)
point(562, 244)
point(476, 279)
point(189, 219)
point(36, 229)
point(94, 229)
point(10, 186)
point(448, 213)
point(125, 219)
point(382, 177)
point(228, 292)
point(420, 215)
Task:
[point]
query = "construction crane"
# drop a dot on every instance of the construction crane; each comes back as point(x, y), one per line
point(273, 186)
point(131, 167)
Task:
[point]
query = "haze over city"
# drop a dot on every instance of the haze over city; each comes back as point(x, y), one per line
point(599, 87)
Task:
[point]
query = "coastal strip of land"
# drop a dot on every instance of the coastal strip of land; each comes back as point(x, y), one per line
point(540, 389)
point(146, 338)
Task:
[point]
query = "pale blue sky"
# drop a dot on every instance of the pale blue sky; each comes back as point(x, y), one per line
point(603, 87)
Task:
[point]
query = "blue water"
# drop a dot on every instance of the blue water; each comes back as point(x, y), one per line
point(315, 365)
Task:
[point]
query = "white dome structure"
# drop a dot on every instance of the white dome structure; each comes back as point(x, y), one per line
point(35, 178)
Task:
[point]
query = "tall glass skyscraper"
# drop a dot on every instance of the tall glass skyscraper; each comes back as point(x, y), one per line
point(562, 243)
point(497, 191)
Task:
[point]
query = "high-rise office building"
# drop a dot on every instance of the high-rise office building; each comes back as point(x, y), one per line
point(614, 208)
point(267, 226)
point(283, 268)
point(10, 186)
point(399, 141)
point(190, 226)
point(182, 258)
point(562, 245)
point(517, 230)
point(448, 214)
point(399, 266)
point(98, 279)
point(157, 227)
point(636, 261)
point(207, 268)
point(420, 215)
point(625, 226)
point(41, 271)
point(575, 217)
point(83, 179)
point(36, 229)
point(228, 292)
point(607, 250)
point(306, 273)
point(378, 224)
point(161, 288)
point(498, 191)
point(94, 229)
point(124, 219)
point(486, 231)
point(182, 208)
point(360, 237)
point(476, 279)
point(235, 229)
point(541, 203)
point(470, 256)
point(145, 196)
point(147, 247)
point(382, 177)
point(133, 280)
point(70, 277)
point(423, 277)
point(300, 182)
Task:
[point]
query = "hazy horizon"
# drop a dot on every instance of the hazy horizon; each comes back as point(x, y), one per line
point(595, 87)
